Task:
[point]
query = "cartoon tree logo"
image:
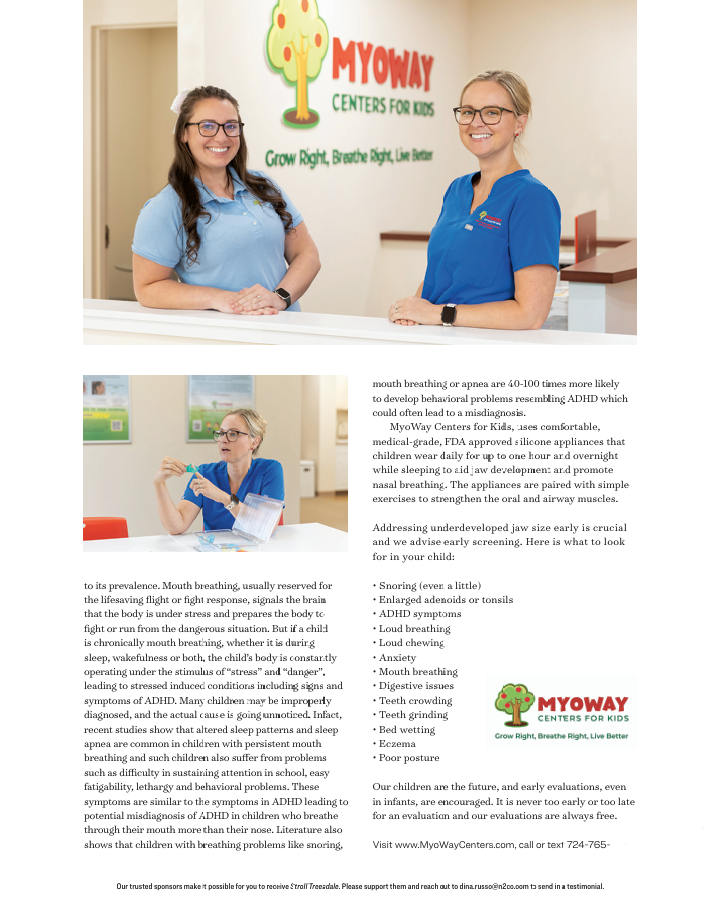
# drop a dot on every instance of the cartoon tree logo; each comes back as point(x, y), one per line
point(513, 699)
point(297, 44)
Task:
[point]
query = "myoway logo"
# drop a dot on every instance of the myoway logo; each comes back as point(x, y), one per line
point(515, 700)
point(589, 707)
point(489, 221)
point(298, 41)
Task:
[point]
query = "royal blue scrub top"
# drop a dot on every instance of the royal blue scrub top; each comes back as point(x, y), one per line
point(264, 478)
point(471, 257)
point(241, 244)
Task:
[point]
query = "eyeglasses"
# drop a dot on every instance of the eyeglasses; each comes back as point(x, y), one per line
point(490, 115)
point(210, 129)
point(232, 436)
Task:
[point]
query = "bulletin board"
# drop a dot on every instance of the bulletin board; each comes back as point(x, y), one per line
point(210, 398)
point(106, 409)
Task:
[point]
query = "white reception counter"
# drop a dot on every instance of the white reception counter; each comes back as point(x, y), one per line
point(124, 322)
point(289, 538)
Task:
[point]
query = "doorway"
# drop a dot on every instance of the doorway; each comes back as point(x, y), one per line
point(136, 83)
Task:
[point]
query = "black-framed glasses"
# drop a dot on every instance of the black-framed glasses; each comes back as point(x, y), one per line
point(490, 115)
point(210, 129)
point(232, 436)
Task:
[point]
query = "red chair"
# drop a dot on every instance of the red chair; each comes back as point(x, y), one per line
point(104, 528)
point(281, 521)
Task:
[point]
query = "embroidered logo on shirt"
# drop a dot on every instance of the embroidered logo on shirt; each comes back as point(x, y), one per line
point(489, 221)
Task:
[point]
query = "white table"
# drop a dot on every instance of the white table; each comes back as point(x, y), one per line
point(121, 322)
point(289, 538)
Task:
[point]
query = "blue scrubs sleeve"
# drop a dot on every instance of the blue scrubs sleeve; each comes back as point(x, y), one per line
point(272, 481)
point(535, 229)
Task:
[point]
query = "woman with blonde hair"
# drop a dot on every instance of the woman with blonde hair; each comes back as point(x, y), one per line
point(219, 488)
point(232, 235)
point(493, 256)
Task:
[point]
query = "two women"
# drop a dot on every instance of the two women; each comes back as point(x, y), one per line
point(219, 488)
point(493, 256)
point(239, 245)
point(232, 236)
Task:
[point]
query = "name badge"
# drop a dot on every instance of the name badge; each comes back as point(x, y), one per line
point(468, 227)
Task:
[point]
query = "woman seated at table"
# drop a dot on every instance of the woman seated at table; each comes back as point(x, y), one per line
point(232, 236)
point(493, 256)
point(220, 488)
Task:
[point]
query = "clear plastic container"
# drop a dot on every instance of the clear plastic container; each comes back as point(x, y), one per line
point(223, 541)
point(258, 518)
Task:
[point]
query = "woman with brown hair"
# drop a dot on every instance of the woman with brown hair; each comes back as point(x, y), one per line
point(233, 237)
point(493, 256)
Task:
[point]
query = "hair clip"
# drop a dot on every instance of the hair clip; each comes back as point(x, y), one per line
point(177, 104)
point(178, 101)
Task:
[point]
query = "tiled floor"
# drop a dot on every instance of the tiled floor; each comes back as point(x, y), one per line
point(331, 510)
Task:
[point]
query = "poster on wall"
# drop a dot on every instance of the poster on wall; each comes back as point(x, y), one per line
point(106, 408)
point(210, 398)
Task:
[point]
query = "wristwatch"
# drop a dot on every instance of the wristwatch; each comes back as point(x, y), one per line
point(234, 501)
point(284, 295)
point(447, 316)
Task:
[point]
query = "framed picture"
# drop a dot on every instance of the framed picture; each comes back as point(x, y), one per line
point(106, 409)
point(211, 397)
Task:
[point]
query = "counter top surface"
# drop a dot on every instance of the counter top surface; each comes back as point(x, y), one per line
point(314, 328)
point(613, 267)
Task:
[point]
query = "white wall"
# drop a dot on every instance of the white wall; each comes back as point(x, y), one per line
point(118, 478)
point(579, 59)
point(345, 207)
point(322, 395)
point(310, 403)
point(326, 468)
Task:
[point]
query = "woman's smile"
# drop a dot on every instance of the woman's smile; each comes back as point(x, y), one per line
point(218, 151)
point(479, 137)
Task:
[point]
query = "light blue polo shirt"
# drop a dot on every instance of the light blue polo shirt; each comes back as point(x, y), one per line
point(241, 244)
point(471, 257)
